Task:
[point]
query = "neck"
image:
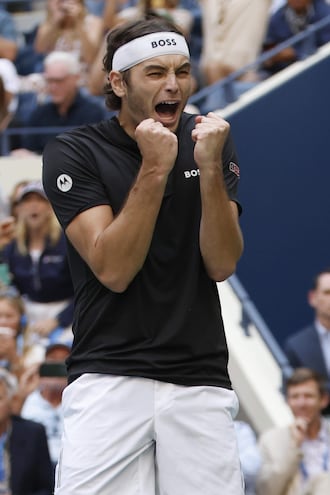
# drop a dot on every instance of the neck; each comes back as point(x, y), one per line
point(37, 238)
point(65, 106)
point(324, 321)
point(127, 128)
point(314, 428)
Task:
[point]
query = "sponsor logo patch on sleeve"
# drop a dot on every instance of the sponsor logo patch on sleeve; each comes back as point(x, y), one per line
point(233, 167)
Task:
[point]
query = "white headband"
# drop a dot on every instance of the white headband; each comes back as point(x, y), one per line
point(149, 46)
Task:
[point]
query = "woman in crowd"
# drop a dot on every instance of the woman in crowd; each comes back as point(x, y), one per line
point(37, 262)
point(12, 327)
point(70, 27)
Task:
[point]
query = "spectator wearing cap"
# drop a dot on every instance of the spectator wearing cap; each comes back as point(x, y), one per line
point(37, 261)
point(44, 405)
point(66, 105)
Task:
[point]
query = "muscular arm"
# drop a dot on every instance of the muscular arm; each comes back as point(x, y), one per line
point(46, 37)
point(115, 248)
point(221, 240)
point(90, 36)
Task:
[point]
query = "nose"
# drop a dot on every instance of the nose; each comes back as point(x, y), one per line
point(171, 83)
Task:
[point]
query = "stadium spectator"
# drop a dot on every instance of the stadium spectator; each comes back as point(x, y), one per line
point(6, 231)
point(290, 19)
point(233, 32)
point(96, 7)
point(67, 106)
point(310, 346)
point(12, 327)
point(70, 27)
point(295, 458)
point(25, 465)
point(9, 89)
point(44, 404)
point(169, 8)
point(37, 261)
point(14, 195)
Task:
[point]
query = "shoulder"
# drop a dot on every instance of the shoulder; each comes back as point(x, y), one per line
point(7, 25)
point(277, 17)
point(5, 16)
point(74, 138)
point(87, 103)
point(9, 249)
point(27, 427)
point(321, 8)
point(302, 334)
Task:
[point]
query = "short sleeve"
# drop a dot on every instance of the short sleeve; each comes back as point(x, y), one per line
point(70, 178)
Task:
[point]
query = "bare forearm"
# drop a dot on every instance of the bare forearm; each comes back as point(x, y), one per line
point(129, 236)
point(120, 249)
point(221, 240)
point(46, 37)
point(89, 47)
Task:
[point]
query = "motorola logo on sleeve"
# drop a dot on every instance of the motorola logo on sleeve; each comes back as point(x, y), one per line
point(64, 182)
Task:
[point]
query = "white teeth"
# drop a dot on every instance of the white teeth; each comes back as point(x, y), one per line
point(168, 103)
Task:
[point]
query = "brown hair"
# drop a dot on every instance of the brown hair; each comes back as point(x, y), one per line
point(123, 34)
point(303, 375)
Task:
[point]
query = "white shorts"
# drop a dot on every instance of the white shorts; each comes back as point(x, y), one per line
point(136, 436)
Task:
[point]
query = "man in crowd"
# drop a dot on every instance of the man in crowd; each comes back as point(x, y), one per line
point(310, 347)
point(295, 458)
point(66, 106)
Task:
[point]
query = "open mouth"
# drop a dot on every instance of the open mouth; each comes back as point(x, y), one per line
point(167, 108)
point(33, 216)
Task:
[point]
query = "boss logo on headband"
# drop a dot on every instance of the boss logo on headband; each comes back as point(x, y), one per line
point(166, 42)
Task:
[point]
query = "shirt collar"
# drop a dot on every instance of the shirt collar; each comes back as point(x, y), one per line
point(321, 330)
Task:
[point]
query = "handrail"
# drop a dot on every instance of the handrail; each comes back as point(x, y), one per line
point(250, 314)
point(19, 131)
point(227, 83)
point(27, 2)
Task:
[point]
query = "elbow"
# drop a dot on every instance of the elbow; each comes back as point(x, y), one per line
point(115, 284)
point(225, 268)
point(222, 273)
point(116, 281)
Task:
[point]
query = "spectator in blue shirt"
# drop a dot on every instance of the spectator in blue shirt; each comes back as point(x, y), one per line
point(37, 262)
point(295, 16)
point(66, 105)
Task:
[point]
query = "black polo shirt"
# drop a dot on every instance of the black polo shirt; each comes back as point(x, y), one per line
point(167, 325)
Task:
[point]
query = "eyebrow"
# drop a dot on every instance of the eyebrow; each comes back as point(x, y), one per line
point(185, 65)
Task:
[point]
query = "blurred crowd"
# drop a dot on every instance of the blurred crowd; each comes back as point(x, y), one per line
point(42, 87)
point(51, 76)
